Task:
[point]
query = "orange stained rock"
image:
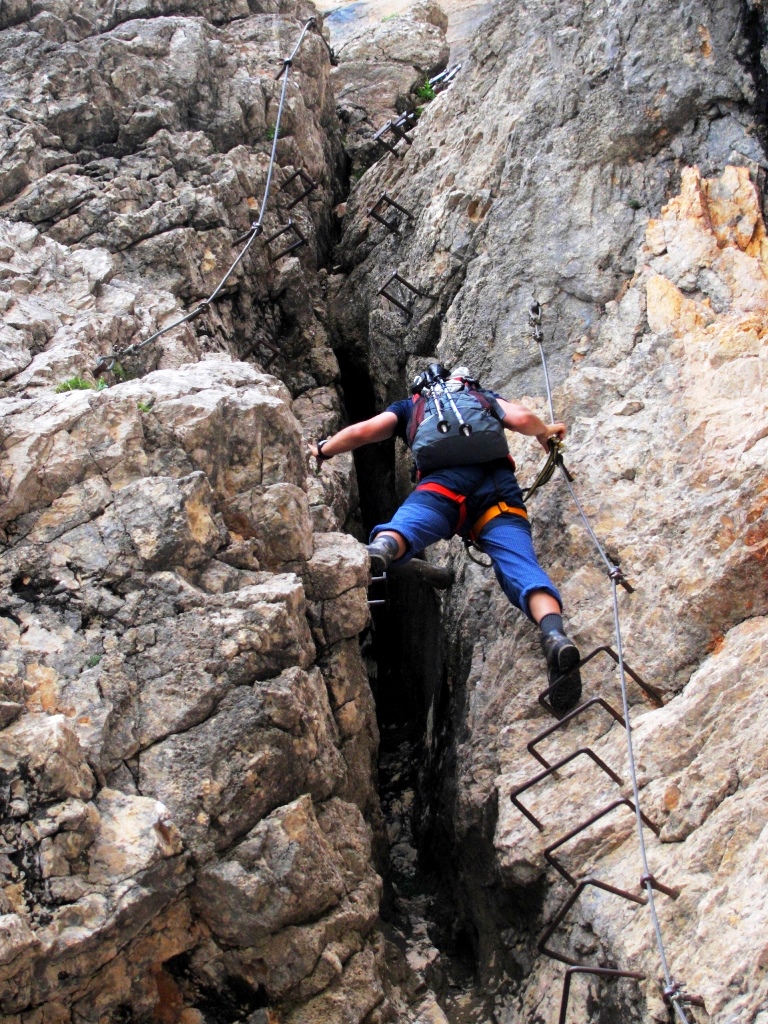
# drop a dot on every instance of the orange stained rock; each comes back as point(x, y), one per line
point(41, 689)
point(669, 308)
point(734, 212)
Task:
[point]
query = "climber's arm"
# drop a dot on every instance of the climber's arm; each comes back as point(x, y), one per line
point(523, 421)
point(377, 428)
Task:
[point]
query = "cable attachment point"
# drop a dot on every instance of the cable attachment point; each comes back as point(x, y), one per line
point(534, 316)
point(288, 62)
point(618, 576)
point(674, 992)
point(202, 308)
point(659, 886)
point(106, 364)
point(252, 232)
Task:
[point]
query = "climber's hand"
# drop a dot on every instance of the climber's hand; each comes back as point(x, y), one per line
point(555, 430)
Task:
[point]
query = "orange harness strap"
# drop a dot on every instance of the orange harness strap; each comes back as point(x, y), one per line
point(491, 513)
point(460, 499)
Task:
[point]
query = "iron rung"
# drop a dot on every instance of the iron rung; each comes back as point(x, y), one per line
point(290, 226)
point(309, 186)
point(549, 850)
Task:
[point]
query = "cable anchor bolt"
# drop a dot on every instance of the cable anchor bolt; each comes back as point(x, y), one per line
point(253, 231)
point(618, 576)
point(106, 364)
point(659, 886)
point(676, 993)
point(202, 308)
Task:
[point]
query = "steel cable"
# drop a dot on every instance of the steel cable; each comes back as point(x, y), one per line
point(672, 990)
point(256, 229)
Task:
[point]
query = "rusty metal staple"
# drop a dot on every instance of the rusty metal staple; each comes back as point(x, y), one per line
point(108, 362)
point(674, 994)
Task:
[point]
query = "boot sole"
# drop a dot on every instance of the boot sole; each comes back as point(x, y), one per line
point(567, 658)
point(567, 692)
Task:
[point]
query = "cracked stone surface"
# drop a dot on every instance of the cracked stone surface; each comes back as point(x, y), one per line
point(607, 161)
point(190, 825)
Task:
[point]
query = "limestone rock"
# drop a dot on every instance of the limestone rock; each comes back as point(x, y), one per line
point(282, 873)
point(381, 68)
point(266, 745)
point(134, 833)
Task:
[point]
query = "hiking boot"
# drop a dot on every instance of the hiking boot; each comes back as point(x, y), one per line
point(563, 658)
point(382, 552)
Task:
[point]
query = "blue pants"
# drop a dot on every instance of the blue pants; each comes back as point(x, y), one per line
point(426, 517)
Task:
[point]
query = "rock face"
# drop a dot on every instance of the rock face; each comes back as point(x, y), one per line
point(187, 735)
point(382, 73)
point(606, 161)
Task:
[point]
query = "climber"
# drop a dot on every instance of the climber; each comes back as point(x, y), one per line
point(467, 485)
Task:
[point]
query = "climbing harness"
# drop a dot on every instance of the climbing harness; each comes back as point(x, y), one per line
point(108, 362)
point(674, 995)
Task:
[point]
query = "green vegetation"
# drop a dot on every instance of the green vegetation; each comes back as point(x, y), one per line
point(145, 406)
point(425, 91)
point(78, 383)
point(270, 133)
point(357, 175)
point(73, 384)
point(389, 17)
point(634, 204)
point(93, 661)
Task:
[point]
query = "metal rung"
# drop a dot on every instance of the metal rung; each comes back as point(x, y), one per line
point(290, 226)
point(399, 127)
point(600, 972)
point(624, 801)
point(273, 349)
point(444, 79)
point(390, 225)
point(309, 186)
point(650, 691)
point(560, 915)
point(586, 751)
point(406, 284)
point(569, 718)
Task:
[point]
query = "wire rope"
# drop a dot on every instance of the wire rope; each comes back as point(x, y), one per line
point(672, 990)
point(256, 229)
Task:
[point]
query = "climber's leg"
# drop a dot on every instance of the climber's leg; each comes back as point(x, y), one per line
point(422, 519)
point(507, 540)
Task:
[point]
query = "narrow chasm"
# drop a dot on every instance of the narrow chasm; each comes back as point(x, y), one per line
point(425, 901)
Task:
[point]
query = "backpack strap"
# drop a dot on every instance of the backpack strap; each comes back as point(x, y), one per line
point(460, 499)
point(487, 401)
point(417, 416)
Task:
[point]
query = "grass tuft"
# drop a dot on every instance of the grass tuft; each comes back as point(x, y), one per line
point(425, 91)
point(75, 383)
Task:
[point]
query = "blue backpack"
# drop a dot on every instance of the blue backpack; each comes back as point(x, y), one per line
point(434, 449)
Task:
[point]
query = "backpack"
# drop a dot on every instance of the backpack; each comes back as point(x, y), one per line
point(435, 450)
